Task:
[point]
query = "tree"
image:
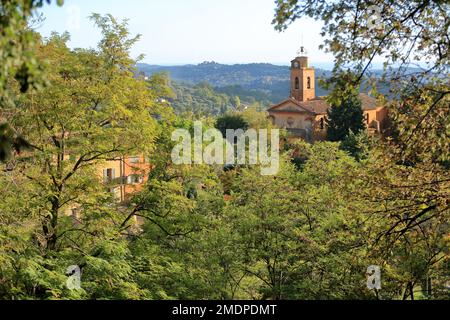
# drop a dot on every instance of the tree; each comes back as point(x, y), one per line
point(309, 232)
point(236, 102)
point(345, 114)
point(298, 235)
point(358, 145)
point(231, 121)
point(92, 111)
point(344, 117)
point(200, 100)
point(262, 218)
point(256, 118)
point(414, 160)
point(184, 237)
point(17, 61)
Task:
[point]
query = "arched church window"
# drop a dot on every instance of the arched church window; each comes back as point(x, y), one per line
point(308, 82)
point(297, 83)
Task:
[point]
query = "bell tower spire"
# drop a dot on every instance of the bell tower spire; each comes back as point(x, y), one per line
point(302, 77)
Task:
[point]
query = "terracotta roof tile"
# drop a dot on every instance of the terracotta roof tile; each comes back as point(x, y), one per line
point(320, 106)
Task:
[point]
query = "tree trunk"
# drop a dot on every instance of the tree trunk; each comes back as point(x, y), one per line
point(52, 234)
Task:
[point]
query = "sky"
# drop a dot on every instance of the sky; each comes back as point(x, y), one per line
point(176, 32)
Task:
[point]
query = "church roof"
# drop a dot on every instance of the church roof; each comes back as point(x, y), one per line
point(300, 106)
point(368, 102)
point(319, 105)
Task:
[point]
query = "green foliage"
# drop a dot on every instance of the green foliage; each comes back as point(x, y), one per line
point(232, 122)
point(408, 173)
point(256, 118)
point(345, 114)
point(9, 141)
point(201, 100)
point(358, 145)
point(92, 111)
point(160, 84)
point(420, 123)
point(17, 43)
point(17, 61)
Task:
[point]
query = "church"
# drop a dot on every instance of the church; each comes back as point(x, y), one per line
point(303, 114)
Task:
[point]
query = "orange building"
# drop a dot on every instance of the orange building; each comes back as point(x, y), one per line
point(303, 114)
point(125, 175)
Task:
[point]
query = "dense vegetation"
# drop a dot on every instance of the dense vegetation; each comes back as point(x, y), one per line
point(202, 99)
point(202, 232)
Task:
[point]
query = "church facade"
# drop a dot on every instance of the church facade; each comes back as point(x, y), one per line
point(303, 114)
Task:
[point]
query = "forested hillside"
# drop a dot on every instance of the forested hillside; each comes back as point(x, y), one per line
point(262, 82)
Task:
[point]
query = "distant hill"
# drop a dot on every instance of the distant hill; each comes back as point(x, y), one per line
point(212, 88)
point(263, 82)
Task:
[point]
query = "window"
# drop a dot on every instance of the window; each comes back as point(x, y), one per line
point(109, 175)
point(297, 83)
point(322, 123)
point(134, 159)
point(308, 82)
point(367, 118)
point(135, 179)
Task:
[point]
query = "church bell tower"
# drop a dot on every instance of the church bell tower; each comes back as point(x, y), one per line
point(302, 78)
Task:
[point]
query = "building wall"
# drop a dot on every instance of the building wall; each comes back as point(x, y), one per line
point(119, 186)
point(375, 121)
point(291, 120)
point(382, 117)
point(139, 167)
point(303, 93)
point(130, 175)
point(320, 132)
point(369, 117)
point(116, 166)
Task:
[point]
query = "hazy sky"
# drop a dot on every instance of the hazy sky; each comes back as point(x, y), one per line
point(192, 31)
